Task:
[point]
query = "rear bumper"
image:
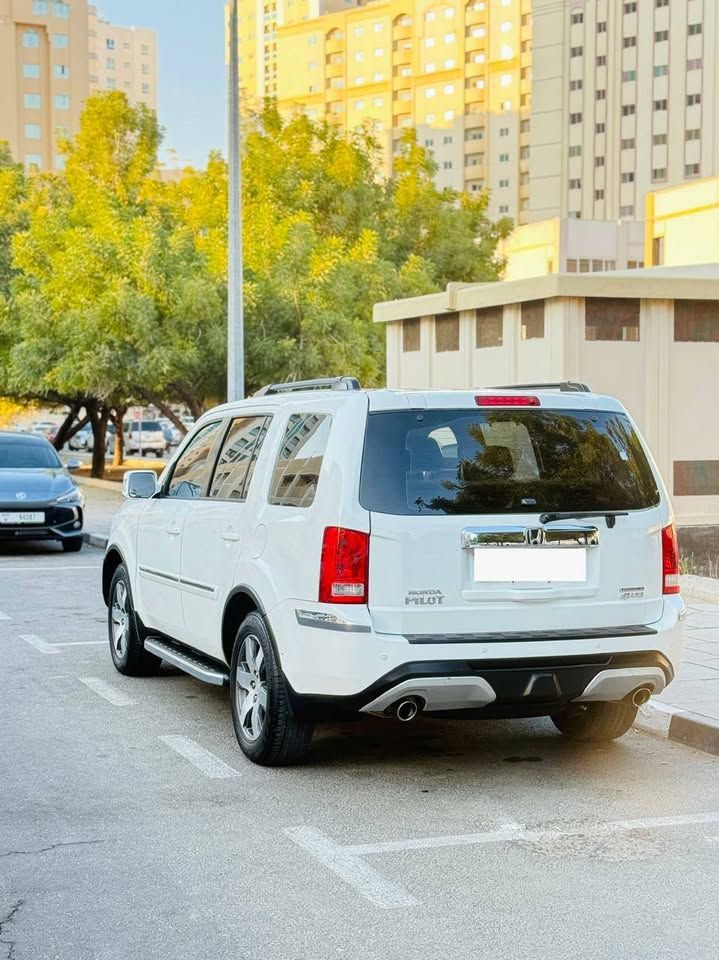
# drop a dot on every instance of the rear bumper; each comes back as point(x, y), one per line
point(333, 659)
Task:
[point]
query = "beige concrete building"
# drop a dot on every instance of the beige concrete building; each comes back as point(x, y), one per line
point(682, 224)
point(46, 72)
point(625, 100)
point(43, 76)
point(572, 246)
point(648, 337)
point(123, 58)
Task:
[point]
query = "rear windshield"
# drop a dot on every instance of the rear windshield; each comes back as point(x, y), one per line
point(147, 426)
point(24, 455)
point(503, 461)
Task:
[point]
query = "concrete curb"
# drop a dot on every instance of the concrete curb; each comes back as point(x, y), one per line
point(700, 588)
point(681, 726)
point(95, 540)
point(113, 485)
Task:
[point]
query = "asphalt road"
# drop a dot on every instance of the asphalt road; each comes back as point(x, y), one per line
point(132, 827)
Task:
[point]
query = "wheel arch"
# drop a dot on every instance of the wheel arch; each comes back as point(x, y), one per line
point(240, 603)
point(113, 559)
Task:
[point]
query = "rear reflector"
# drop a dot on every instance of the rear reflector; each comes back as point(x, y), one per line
point(344, 566)
point(506, 400)
point(670, 560)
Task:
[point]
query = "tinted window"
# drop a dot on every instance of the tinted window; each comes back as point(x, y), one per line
point(446, 333)
point(533, 320)
point(23, 455)
point(237, 460)
point(696, 478)
point(297, 471)
point(611, 319)
point(503, 461)
point(696, 320)
point(192, 470)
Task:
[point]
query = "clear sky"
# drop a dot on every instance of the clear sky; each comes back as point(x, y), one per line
point(190, 37)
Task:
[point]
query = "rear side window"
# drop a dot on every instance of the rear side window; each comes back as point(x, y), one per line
point(237, 461)
point(192, 471)
point(503, 461)
point(299, 462)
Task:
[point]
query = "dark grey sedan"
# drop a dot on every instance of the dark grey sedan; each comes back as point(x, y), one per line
point(39, 500)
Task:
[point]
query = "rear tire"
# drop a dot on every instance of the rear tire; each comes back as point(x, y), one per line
point(267, 728)
point(126, 649)
point(596, 721)
point(72, 544)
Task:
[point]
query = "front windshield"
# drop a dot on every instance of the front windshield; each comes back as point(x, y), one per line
point(21, 455)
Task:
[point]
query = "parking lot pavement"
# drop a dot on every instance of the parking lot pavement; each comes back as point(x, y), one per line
point(100, 506)
point(132, 827)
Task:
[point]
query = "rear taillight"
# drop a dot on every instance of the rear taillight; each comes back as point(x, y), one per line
point(506, 400)
point(670, 559)
point(344, 566)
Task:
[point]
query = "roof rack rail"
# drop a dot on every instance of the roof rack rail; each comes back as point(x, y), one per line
point(565, 386)
point(323, 383)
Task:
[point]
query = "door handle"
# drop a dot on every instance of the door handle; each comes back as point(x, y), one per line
point(230, 535)
point(174, 531)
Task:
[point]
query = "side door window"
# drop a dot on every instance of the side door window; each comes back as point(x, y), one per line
point(299, 461)
point(236, 462)
point(191, 474)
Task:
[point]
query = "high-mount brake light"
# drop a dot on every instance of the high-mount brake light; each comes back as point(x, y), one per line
point(506, 400)
point(344, 566)
point(670, 560)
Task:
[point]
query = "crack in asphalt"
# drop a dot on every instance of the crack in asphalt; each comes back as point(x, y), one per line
point(53, 846)
point(10, 944)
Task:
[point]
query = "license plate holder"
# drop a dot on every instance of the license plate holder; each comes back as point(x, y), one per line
point(14, 518)
point(496, 564)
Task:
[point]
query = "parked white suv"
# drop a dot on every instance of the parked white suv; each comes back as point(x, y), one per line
point(506, 552)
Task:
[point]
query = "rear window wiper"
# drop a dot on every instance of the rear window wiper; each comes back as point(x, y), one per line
point(609, 515)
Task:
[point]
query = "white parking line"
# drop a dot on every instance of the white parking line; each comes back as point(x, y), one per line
point(105, 690)
point(42, 645)
point(80, 643)
point(4, 616)
point(207, 762)
point(348, 863)
point(4, 569)
point(354, 871)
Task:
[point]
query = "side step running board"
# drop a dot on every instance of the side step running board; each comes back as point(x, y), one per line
point(188, 660)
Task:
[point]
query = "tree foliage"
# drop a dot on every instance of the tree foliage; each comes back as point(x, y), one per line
point(113, 281)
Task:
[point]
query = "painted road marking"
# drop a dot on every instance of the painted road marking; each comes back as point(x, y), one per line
point(80, 643)
point(42, 645)
point(47, 569)
point(348, 863)
point(4, 616)
point(106, 691)
point(353, 870)
point(207, 762)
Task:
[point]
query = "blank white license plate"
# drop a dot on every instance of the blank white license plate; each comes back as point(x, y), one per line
point(15, 519)
point(530, 565)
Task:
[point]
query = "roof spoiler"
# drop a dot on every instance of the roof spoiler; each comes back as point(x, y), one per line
point(297, 386)
point(565, 386)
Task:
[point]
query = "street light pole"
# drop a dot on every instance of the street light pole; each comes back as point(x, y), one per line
point(235, 318)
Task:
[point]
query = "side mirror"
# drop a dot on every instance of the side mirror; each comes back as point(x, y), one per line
point(73, 464)
point(139, 484)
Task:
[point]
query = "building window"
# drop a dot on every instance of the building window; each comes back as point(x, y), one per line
point(488, 326)
point(110, 63)
point(630, 7)
point(447, 165)
point(691, 169)
point(599, 161)
point(659, 173)
point(693, 99)
point(447, 140)
point(629, 75)
point(602, 60)
point(696, 478)
point(629, 42)
point(446, 333)
point(600, 94)
point(602, 26)
point(661, 70)
point(635, 264)
point(661, 35)
point(61, 10)
point(411, 335)
point(692, 134)
point(31, 71)
point(60, 162)
point(628, 110)
point(599, 194)
point(32, 131)
point(30, 39)
point(62, 101)
point(40, 7)
point(145, 69)
point(627, 210)
point(33, 161)
point(576, 51)
point(576, 84)
point(575, 184)
point(628, 177)
point(661, 3)
point(599, 128)
point(503, 184)
point(503, 208)
point(32, 101)
point(693, 29)
point(659, 139)
point(607, 318)
point(577, 17)
point(628, 143)
point(571, 266)
point(575, 118)
point(696, 321)
point(575, 151)
point(503, 157)
point(62, 71)
point(532, 320)
point(60, 41)
point(694, 64)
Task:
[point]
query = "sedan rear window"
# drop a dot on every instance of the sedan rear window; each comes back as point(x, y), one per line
point(503, 461)
point(27, 455)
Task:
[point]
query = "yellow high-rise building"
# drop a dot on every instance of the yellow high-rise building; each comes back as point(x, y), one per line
point(459, 73)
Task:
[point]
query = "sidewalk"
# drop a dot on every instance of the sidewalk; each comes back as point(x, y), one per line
point(687, 711)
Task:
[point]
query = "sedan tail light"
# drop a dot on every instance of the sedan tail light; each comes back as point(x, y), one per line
point(344, 566)
point(670, 560)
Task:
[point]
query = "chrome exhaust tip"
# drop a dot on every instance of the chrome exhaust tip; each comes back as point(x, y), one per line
point(406, 710)
point(641, 696)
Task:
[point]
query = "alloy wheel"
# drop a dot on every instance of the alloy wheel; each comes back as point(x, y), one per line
point(120, 618)
point(251, 688)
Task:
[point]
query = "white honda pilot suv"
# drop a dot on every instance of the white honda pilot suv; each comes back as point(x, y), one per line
point(327, 550)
